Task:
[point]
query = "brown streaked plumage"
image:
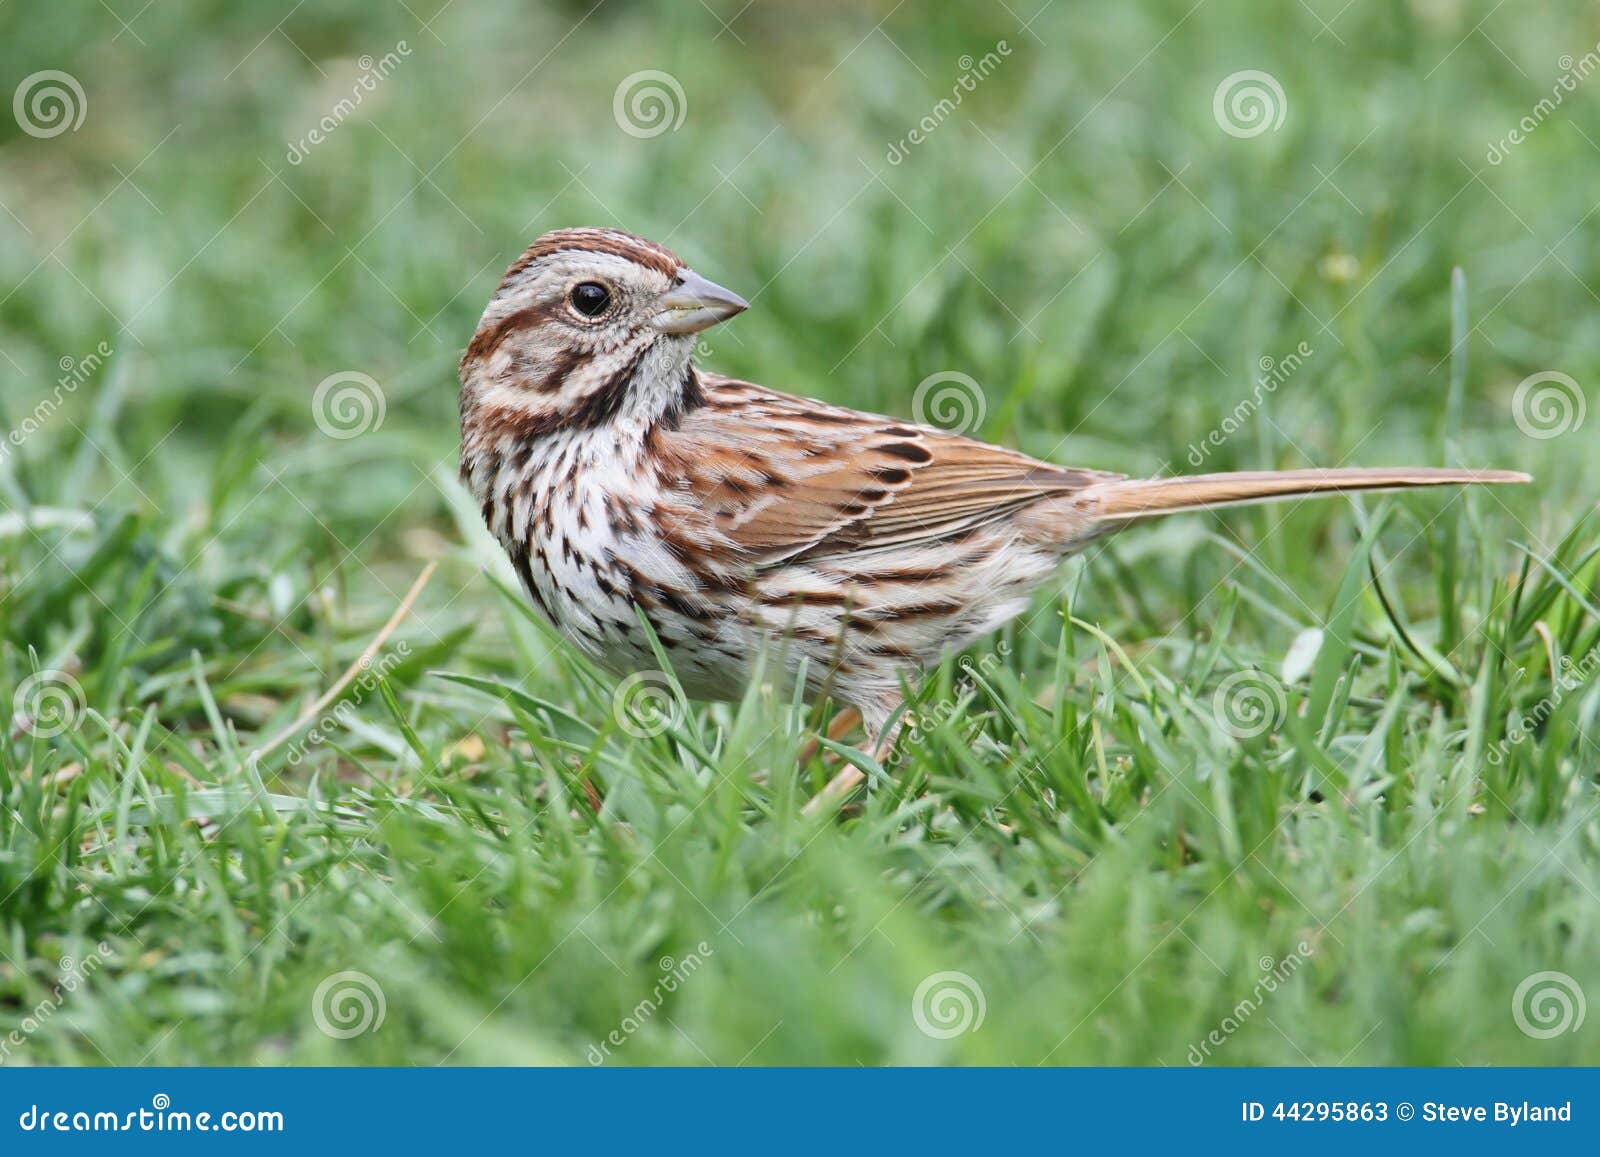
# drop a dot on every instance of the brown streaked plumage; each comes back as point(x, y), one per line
point(620, 478)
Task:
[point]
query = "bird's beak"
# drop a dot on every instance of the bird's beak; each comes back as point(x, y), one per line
point(694, 304)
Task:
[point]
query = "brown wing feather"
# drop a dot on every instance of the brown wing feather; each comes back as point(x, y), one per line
point(785, 477)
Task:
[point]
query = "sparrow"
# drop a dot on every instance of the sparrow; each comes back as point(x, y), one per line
point(623, 480)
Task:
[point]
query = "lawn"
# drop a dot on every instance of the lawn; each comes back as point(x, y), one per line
point(295, 775)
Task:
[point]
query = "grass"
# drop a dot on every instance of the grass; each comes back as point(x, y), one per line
point(1087, 828)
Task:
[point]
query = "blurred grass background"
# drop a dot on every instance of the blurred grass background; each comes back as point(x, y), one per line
point(1109, 866)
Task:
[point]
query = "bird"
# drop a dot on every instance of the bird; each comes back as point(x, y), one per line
point(626, 483)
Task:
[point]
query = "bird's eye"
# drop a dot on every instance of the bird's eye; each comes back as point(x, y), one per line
point(590, 298)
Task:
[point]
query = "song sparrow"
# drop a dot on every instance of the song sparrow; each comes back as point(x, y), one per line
point(620, 477)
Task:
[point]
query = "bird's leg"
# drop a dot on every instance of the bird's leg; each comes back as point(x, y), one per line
point(838, 727)
point(881, 734)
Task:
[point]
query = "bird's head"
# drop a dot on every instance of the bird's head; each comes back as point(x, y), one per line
point(589, 327)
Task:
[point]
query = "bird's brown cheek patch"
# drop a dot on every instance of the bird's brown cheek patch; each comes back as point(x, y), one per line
point(560, 368)
point(488, 339)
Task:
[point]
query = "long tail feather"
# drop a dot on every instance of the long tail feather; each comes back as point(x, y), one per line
point(1145, 498)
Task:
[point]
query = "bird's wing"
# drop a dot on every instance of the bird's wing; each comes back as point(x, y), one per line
point(786, 478)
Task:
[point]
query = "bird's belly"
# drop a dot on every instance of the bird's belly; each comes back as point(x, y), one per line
point(599, 584)
point(594, 566)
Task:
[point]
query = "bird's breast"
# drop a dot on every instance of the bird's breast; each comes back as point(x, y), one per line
point(585, 529)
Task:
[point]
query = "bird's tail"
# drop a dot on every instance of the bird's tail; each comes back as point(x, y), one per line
point(1147, 498)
